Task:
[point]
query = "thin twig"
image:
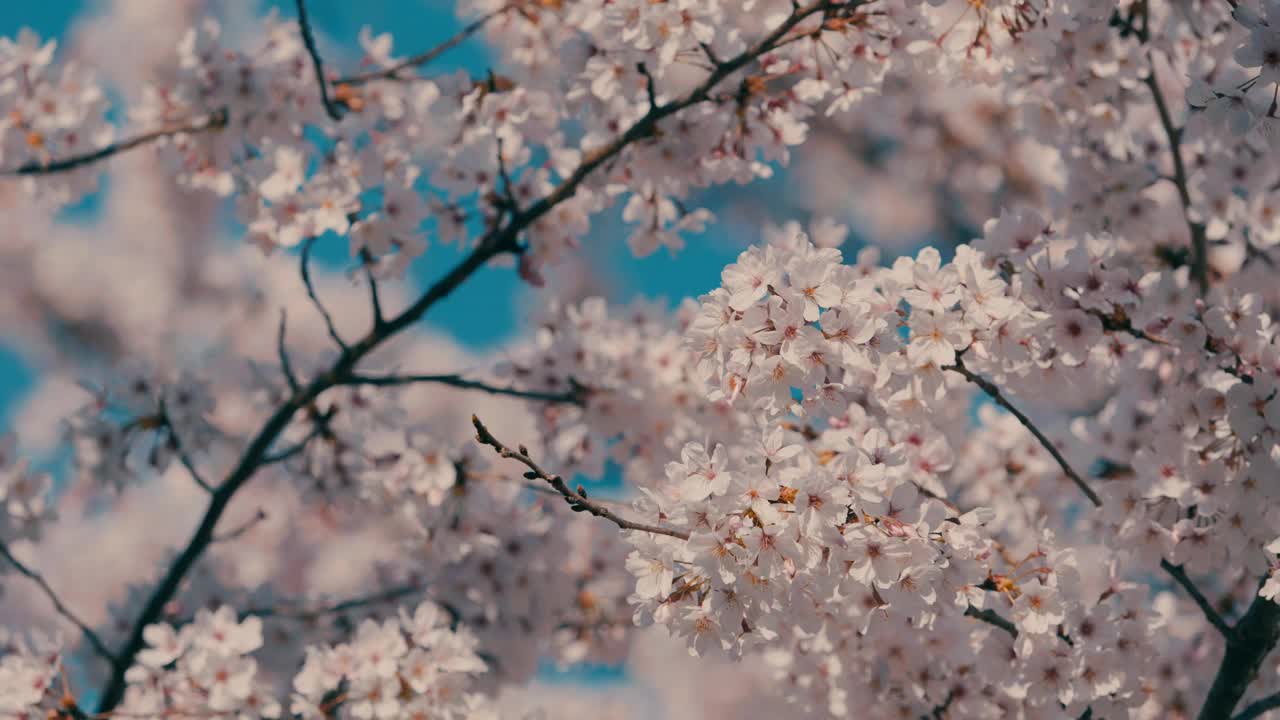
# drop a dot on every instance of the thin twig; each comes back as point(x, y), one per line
point(286, 367)
point(577, 500)
point(1180, 575)
point(98, 646)
point(309, 40)
point(1270, 702)
point(1199, 240)
point(994, 393)
point(305, 263)
point(393, 72)
point(244, 528)
point(508, 196)
point(1252, 639)
point(576, 395)
point(184, 457)
point(213, 121)
point(375, 298)
point(648, 84)
point(1175, 571)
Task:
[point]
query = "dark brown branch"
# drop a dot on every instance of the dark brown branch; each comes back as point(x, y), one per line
point(577, 500)
point(994, 393)
point(576, 395)
point(214, 121)
point(393, 72)
point(1180, 575)
point(1199, 241)
point(309, 40)
point(496, 242)
point(1251, 641)
point(1271, 702)
point(35, 577)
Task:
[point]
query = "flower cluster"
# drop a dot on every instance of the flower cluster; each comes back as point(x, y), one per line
point(29, 671)
point(413, 666)
point(25, 503)
point(49, 112)
point(141, 420)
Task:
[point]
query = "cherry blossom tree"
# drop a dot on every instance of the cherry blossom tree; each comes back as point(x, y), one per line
point(1015, 453)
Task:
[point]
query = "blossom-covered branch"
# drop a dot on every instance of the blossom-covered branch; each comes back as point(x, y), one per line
point(578, 501)
point(497, 242)
point(212, 122)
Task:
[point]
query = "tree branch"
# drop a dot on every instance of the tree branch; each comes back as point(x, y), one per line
point(1250, 642)
point(994, 393)
point(214, 121)
point(309, 40)
point(286, 367)
point(245, 527)
point(95, 641)
point(575, 395)
point(577, 500)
